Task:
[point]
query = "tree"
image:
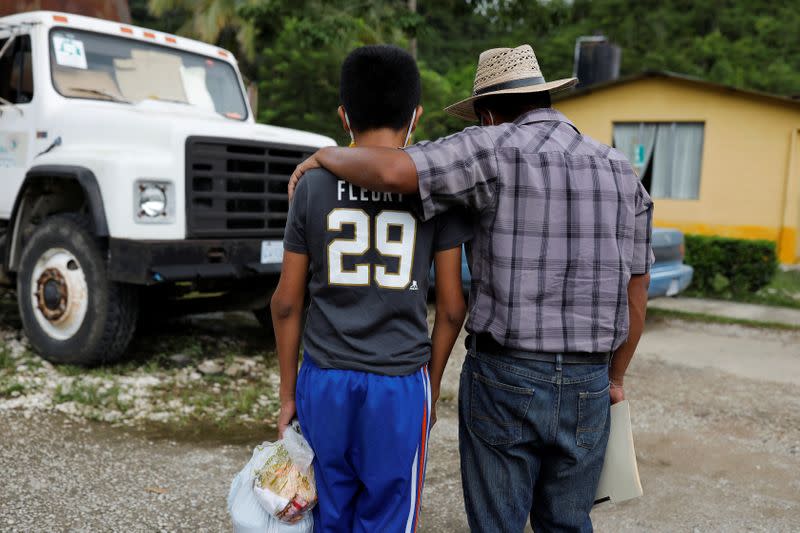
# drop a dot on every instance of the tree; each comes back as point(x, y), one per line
point(300, 57)
point(213, 21)
point(295, 48)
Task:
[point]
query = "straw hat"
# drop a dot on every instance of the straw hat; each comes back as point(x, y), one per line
point(506, 71)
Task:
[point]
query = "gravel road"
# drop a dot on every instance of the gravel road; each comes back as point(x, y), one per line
point(716, 414)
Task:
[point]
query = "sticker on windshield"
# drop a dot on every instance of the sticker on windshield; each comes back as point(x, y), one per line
point(69, 52)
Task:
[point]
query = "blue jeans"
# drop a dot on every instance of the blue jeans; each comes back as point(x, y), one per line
point(532, 437)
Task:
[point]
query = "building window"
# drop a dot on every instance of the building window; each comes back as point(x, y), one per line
point(666, 155)
point(16, 73)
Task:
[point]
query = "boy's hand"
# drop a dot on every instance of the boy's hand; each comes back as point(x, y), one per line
point(301, 169)
point(287, 414)
point(434, 400)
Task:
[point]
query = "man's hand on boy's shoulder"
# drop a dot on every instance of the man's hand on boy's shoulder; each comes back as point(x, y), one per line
point(301, 169)
point(286, 415)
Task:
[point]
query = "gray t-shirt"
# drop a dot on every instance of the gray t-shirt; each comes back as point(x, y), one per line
point(369, 261)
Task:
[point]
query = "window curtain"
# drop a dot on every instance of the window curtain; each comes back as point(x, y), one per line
point(627, 136)
point(676, 167)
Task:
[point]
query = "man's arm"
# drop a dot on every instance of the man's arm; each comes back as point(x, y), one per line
point(637, 308)
point(458, 171)
point(374, 168)
point(450, 313)
point(287, 318)
point(641, 262)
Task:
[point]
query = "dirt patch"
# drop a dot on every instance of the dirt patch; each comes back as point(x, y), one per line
point(709, 462)
point(81, 476)
point(716, 415)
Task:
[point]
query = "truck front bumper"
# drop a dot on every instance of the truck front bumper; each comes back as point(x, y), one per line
point(156, 262)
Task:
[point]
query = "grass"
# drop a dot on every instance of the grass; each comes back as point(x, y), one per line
point(715, 319)
point(224, 406)
point(214, 401)
point(92, 395)
point(151, 350)
point(8, 387)
point(782, 291)
point(220, 403)
point(6, 363)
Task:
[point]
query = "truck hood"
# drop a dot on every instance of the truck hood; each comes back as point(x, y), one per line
point(152, 125)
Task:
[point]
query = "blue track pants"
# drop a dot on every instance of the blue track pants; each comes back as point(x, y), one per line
point(369, 434)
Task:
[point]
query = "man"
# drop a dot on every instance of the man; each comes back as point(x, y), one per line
point(368, 387)
point(560, 266)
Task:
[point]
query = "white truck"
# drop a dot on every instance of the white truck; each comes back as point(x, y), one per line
point(133, 177)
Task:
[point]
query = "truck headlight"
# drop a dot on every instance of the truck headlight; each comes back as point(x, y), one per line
point(152, 201)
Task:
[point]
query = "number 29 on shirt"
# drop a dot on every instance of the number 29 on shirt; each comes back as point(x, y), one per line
point(359, 275)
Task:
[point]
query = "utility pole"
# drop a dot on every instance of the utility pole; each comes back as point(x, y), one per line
point(412, 44)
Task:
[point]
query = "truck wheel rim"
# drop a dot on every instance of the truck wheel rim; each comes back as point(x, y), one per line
point(59, 293)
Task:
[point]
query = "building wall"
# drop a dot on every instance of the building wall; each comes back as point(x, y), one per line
point(750, 173)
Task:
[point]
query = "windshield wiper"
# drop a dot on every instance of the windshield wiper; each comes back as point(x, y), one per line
point(98, 92)
point(8, 44)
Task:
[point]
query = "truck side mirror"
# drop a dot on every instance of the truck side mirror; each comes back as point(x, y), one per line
point(252, 97)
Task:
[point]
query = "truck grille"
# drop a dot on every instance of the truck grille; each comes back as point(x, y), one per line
point(238, 188)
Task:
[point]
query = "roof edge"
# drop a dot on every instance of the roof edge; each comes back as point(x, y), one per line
point(665, 74)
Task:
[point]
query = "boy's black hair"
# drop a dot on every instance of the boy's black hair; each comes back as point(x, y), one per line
point(512, 105)
point(380, 87)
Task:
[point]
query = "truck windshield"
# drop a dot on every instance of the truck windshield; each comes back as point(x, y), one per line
point(103, 67)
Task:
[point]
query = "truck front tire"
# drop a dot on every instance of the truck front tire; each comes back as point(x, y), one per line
point(70, 310)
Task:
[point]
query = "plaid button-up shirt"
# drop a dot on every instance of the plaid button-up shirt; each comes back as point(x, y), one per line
point(562, 222)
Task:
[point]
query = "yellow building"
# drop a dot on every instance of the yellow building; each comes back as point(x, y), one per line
point(717, 160)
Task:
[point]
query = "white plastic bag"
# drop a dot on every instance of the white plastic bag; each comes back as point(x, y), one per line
point(248, 512)
point(283, 477)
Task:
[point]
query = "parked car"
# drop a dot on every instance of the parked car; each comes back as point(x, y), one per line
point(668, 275)
point(132, 171)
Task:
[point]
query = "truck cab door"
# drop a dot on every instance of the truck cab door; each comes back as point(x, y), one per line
point(16, 118)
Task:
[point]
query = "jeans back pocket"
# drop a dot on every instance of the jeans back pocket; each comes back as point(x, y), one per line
point(497, 410)
point(593, 410)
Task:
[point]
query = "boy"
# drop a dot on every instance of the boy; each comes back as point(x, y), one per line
point(367, 390)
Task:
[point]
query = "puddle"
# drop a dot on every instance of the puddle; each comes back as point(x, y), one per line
point(207, 434)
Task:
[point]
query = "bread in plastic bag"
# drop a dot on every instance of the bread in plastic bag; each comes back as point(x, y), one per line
point(283, 476)
point(248, 513)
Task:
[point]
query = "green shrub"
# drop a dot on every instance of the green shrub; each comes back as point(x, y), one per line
point(729, 267)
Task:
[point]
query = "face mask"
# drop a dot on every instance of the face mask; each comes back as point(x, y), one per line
point(349, 130)
point(410, 125)
point(408, 133)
